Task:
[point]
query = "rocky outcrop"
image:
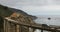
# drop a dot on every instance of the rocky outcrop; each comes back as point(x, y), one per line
point(19, 11)
point(22, 12)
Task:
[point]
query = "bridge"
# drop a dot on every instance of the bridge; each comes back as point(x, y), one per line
point(15, 26)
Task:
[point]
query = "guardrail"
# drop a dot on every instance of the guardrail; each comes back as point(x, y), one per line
point(15, 26)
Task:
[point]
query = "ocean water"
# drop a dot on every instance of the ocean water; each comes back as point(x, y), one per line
point(55, 20)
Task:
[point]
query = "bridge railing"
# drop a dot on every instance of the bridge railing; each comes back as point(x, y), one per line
point(15, 26)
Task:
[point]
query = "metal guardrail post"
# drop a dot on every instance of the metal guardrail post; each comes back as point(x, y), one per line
point(1, 24)
point(20, 28)
point(31, 29)
point(41, 30)
point(17, 28)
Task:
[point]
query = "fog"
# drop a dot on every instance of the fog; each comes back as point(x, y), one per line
point(35, 7)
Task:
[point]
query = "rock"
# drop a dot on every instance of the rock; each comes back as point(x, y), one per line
point(24, 13)
point(17, 11)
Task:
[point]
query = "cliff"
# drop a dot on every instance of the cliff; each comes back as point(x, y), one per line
point(22, 12)
point(17, 11)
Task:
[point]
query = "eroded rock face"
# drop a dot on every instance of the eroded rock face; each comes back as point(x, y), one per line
point(22, 12)
point(22, 18)
point(7, 11)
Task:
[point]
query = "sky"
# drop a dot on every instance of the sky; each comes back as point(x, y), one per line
point(35, 7)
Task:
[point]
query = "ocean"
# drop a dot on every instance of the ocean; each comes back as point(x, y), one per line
point(43, 19)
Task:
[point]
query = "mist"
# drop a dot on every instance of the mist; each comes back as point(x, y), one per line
point(35, 7)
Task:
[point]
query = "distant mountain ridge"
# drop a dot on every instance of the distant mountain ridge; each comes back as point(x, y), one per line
point(22, 12)
point(19, 11)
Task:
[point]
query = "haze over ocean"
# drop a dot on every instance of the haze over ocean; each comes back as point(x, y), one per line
point(35, 7)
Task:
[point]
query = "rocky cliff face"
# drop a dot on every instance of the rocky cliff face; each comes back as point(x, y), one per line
point(19, 11)
point(22, 12)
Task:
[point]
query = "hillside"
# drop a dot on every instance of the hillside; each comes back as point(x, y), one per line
point(17, 11)
point(22, 12)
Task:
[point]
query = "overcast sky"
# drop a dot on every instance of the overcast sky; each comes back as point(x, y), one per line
point(35, 7)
